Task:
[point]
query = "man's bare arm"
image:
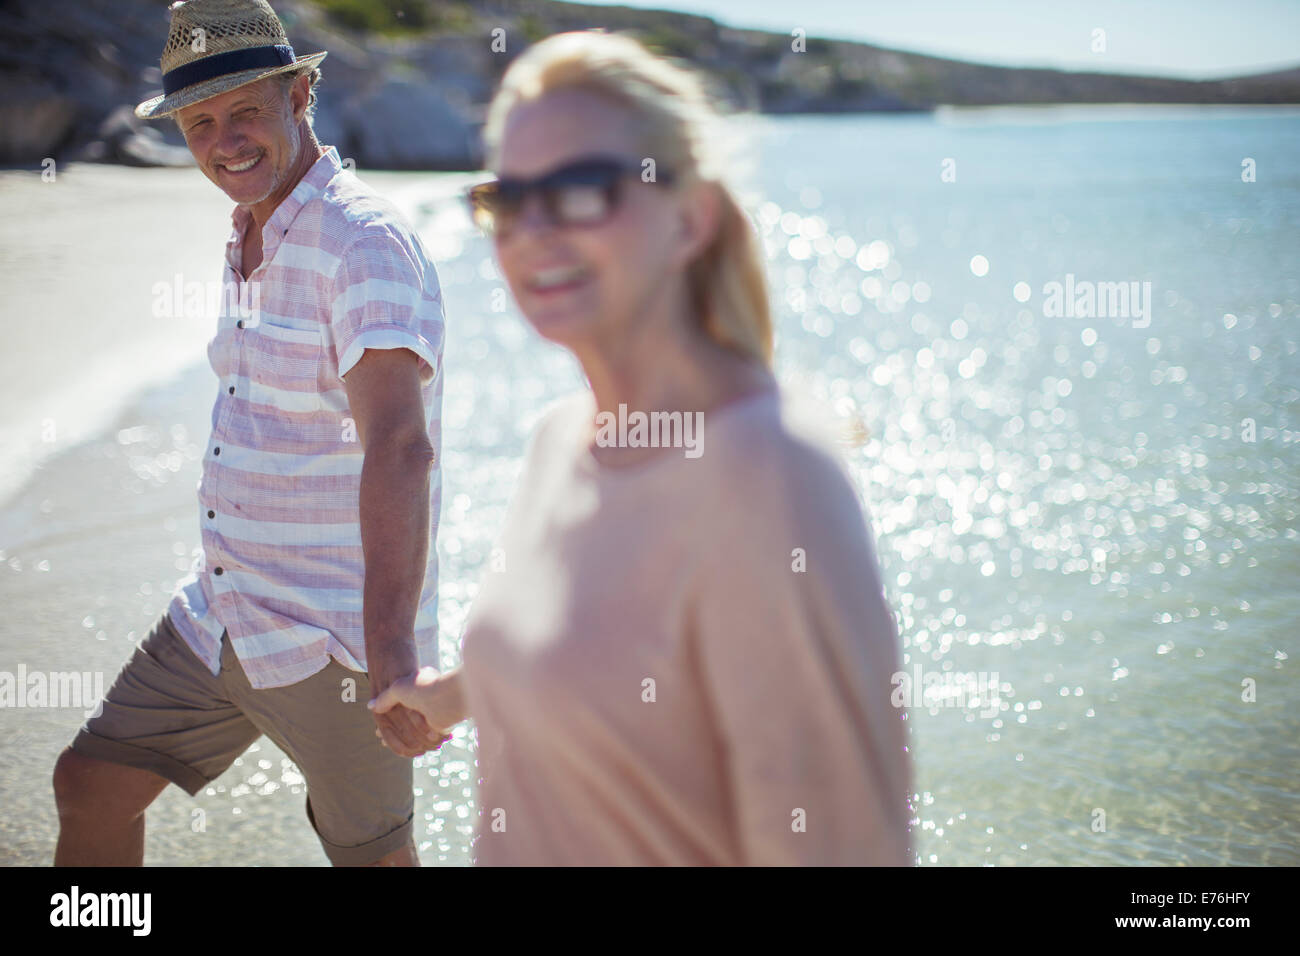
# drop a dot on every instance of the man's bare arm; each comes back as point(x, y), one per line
point(384, 394)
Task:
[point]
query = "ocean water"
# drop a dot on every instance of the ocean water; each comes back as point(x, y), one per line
point(1086, 515)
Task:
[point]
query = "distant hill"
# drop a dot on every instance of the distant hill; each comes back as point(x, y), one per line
point(762, 72)
point(407, 81)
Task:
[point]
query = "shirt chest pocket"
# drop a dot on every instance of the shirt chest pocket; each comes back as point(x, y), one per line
point(284, 366)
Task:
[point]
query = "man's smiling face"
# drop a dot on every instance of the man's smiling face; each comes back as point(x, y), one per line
point(246, 141)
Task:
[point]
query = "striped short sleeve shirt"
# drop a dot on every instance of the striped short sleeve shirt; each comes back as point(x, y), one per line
point(282, 568)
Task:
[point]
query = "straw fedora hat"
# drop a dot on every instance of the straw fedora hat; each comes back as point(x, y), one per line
point(214, 46)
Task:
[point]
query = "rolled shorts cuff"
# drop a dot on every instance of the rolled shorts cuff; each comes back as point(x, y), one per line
point(115, 751)
point(363, 853)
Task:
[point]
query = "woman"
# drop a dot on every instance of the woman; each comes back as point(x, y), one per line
point(687, 656)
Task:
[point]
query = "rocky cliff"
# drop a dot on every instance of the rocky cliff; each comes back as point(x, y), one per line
point(407, 81)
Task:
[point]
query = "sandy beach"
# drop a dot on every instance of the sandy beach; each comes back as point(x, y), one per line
point(1069, 510)
point(79, 257)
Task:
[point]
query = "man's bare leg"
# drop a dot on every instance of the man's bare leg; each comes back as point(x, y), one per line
point(403, 856)
point(101, 811)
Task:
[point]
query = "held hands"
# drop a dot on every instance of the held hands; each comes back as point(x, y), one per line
point(415, 713)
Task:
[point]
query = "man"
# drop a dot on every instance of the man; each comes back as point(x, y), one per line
point(320, 485)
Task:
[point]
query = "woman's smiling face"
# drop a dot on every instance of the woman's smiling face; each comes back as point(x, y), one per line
point(580, 283)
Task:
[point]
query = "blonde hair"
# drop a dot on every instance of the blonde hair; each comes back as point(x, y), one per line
point(675, 116)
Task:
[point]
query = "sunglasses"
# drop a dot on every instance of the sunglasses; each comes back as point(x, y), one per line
point(585, 192)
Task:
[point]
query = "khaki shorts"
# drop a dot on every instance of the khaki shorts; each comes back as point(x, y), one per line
point(166, 713)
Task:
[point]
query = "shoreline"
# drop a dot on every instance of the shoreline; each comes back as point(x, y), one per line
point(132, 231)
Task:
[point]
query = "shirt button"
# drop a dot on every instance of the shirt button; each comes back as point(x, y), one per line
point(232, 390)
point(239, 324)
point(217, 450)
point(217, 571)
point(212, 514)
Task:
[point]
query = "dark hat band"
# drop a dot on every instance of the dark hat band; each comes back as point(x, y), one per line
point(222, 64)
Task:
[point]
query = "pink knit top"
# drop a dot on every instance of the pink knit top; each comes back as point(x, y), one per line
point(687, 660)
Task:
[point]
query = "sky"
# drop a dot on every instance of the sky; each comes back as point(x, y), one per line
point(1195, 39)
